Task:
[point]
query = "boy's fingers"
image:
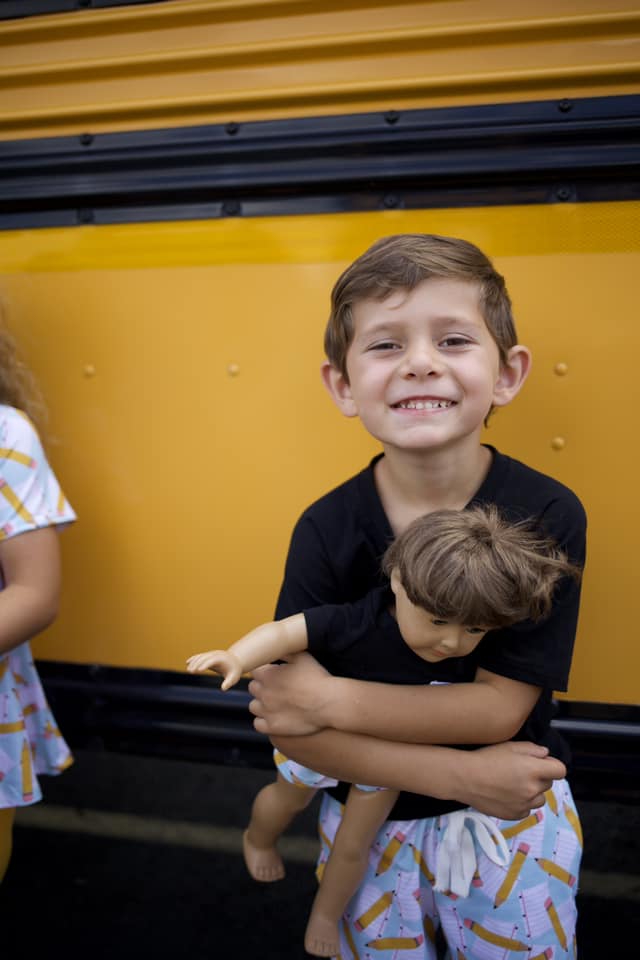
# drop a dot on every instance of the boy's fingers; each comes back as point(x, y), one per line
point(532, 749)
point(260, 672)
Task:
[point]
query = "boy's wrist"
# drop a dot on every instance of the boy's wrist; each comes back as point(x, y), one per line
point(329, 696)
point(340, 704)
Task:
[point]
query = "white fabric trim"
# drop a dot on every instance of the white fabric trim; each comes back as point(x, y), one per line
point(457, 854)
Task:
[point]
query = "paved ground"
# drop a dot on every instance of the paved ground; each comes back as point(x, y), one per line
point(135, 858)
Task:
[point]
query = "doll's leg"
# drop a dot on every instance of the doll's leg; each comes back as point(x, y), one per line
point(6, 833)
point(273, 809)
point(364, 814)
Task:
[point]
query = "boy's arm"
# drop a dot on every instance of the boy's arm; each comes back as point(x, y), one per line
point(268, 642)
point(302, 698)
point(506, 780)
point(489, 710)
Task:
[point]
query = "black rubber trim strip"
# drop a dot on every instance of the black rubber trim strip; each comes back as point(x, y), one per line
point(517, 153)
point(19, 9)
point(175, 715)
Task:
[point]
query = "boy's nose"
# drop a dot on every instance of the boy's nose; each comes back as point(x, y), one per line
point(421, 360)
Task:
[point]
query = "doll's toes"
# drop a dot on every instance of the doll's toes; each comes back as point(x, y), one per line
point(263, 863)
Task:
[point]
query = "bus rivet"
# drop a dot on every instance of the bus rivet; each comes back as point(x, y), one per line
point(89, 370)
point(233, 369)
point(558, 443)
point(561, 369)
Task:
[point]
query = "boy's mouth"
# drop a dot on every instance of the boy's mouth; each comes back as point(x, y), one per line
point(423, 403)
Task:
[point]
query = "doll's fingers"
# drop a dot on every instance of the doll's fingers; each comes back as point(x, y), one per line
point(193, 663)
point(210, 660)
point(198, 663)
point(232, 676)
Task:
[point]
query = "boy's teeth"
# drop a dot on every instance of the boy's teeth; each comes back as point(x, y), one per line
point(424, 404)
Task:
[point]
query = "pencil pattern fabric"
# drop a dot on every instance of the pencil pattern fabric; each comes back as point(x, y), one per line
point(306, 777)
point(30, 497)
point(524, 908)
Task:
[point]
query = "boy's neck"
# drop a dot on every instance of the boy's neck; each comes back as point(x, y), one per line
point(411, 483)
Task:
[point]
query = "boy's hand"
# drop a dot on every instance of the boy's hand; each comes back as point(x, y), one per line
point(508, 780)
point(290, 699)
point(218, 661)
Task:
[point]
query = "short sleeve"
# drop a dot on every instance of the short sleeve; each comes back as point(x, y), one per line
point(308, 579)
point(30, 495)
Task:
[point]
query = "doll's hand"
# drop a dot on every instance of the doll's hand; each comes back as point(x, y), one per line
point(218, 661)
point(291, 699)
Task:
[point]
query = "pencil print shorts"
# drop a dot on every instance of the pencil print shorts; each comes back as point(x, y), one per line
point(301, 776)
point(519, 907)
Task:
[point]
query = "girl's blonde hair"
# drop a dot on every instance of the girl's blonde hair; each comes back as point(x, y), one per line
point(18, 387)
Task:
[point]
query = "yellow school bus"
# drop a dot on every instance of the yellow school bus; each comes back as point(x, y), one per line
point(181, 184)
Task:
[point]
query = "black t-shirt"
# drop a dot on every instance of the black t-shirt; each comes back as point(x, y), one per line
point(334, 558)
point(361, 640)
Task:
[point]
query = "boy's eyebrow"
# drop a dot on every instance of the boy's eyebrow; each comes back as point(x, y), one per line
point(377, 328)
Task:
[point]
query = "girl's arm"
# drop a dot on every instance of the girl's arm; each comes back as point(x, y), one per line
point(300, 698)
point(268, 642)
point(505, 781)
point(30, 565)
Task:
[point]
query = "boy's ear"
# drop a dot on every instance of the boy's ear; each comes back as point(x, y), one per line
point(338, 386)
point(512, 375)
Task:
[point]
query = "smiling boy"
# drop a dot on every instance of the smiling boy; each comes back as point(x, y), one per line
point(421, 346)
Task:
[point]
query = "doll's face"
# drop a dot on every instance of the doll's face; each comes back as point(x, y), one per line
point(430, 637)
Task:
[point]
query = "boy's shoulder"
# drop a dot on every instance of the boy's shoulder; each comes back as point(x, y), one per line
point(519, 487)
point(348, 497)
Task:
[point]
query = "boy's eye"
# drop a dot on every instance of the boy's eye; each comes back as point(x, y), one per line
point(384, 345)
point(455, 341)
point(439, 623)
point(475, 630)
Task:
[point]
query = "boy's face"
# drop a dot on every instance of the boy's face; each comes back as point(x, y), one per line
point(424, 371)
point(429, 637)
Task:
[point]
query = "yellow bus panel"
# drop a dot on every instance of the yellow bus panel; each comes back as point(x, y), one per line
point(184, 63)
point(189, 426)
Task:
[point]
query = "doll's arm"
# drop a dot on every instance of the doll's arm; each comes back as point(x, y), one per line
point(30, 563)
point(270, 641)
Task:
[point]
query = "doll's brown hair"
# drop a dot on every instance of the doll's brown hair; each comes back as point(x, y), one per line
point(475, 568)
point(403, 261)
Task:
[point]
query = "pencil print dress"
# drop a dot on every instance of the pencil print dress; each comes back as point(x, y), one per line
point(30, 498)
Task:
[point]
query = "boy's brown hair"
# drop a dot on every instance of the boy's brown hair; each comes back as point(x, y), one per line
point(403, 261)
point(475, 568)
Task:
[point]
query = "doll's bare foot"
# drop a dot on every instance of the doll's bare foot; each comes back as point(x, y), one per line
point(263, 863)
point(321, 937)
